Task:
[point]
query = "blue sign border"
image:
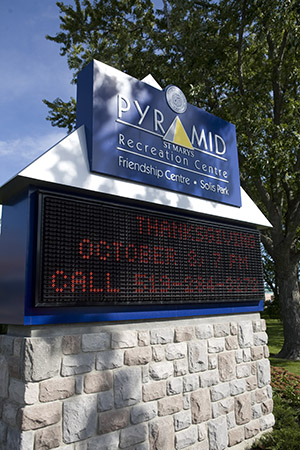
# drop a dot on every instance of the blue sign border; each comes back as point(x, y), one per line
point(133, 133)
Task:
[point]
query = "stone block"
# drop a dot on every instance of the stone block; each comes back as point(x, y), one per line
point(219, 391)
point(14, 366)
point(13, 439)
point(260, 338)
point(56, 389)
point(242, 409)
point(243, 370)
point(143, 338)
point(18, 346)
point(190, 382)
point(231, 343)
point(209, 378)
point(48, 438)
point(98, 382)
point(233, 328)
point(261, 395)
point(79, 418)
point(212, 362)
point(145, 374)
point(237, 387)
point(113, 420)
point(108, 441)
point(182, 420)
point(200, 406)
point(266, 351)
point(256, 325)
point(224, 406)
point(154, 391)
point(204, 331)
point(7, 344)
point(267, 406)
point(138, 356)
point(42, 358)
point(161, 336)
point(110, 359)
point(31, 393)
point(161, 434)
point(251, 383)
point(180, 368)
point(197, 356)
point(169, 405)
point(71, 345)
point(10, 412)
point(158, 353)
point(105, 401)
point(257, 353)
point(227, 366)
point(161, 370)
point(127, 387)
point(263, 372)
point(77, 364)
point(176, 351)
point(95, 342)
point(133, 435)
point(266, 422)
point(184, 334)
point(124, 339)
point(217, 433)
point(221, 329)
point(252, 429)
point(245, 334)
point(174, 386)
point(216, 345)
point(16, 391)
point(39, 416)
point(142, 446)
point(186, 401)
point(230, 418)
point(3, 434)
point(143, 413)
point(186, 438)
point(79, 384)
point(256, 411)
point(235, 436)
point(202, 431)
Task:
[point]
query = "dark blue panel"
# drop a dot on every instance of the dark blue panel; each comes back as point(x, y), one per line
point(133, 133)
point(13, 259)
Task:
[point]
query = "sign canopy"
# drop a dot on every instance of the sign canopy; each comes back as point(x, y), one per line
point(144, 134)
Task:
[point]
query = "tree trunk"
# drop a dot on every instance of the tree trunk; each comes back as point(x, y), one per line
point(289, 299)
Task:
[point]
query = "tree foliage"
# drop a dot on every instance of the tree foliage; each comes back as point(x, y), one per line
point(238, 59)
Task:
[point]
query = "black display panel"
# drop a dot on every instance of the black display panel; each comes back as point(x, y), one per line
point(99, 253)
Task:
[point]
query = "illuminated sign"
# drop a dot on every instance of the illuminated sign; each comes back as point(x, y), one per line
point(152, 136)
point(92, 252)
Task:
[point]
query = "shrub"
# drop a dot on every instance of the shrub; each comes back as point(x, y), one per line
point(286, 394)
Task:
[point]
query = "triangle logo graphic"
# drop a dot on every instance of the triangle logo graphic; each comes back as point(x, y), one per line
point(177, 134)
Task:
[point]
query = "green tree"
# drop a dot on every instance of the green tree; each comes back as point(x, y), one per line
point(238, 59)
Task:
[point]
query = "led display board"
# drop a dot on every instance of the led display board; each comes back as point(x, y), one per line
point(143, 134)
point(92, 252)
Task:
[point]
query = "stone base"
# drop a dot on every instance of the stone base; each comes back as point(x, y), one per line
point(195, 384)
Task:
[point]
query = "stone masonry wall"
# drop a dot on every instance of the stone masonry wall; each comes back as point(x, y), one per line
point(193, 384)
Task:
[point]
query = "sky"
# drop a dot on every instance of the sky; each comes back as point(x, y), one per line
point(31, 69)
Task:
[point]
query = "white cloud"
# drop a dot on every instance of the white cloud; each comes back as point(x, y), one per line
point(27, 148)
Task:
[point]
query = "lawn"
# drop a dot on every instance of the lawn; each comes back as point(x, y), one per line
point(275, 333)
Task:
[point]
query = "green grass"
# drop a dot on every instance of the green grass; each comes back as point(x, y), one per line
point(275, 333)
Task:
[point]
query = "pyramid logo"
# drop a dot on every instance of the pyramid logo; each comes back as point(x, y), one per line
point(177, 134)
